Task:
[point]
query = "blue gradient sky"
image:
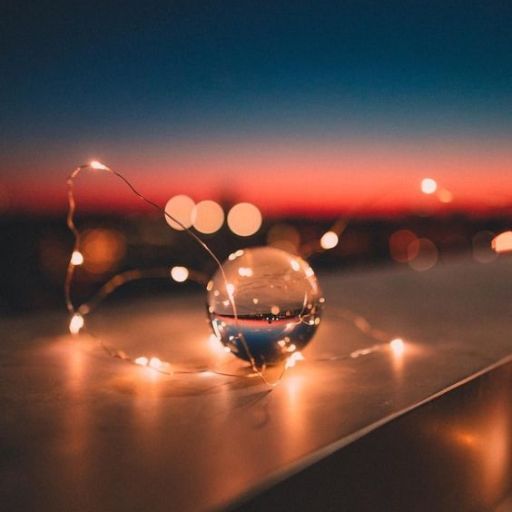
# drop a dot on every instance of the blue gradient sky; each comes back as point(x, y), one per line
point(169, 91)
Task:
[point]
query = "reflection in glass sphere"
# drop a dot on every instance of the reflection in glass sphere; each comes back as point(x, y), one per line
point(278, 304)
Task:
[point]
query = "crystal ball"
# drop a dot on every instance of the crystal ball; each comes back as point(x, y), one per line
point(277, 304)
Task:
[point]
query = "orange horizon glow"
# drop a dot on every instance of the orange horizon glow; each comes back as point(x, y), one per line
point(285, 180)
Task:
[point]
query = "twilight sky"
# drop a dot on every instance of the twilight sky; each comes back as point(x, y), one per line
point(297, 106)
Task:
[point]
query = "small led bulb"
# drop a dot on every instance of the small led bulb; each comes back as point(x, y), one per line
point(77, 258)
point(76, 323)
point(94, 164)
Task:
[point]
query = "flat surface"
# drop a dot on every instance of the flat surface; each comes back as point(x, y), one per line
point(82, 431)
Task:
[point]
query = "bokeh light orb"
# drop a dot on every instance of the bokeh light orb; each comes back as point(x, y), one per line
point(102, 249)
point(179, 274)
point(209, 217)
point(278, 304)
point(428, 186)
point(403, 245)
point(503, 242)
point(423, 254)
point(181, 208)
point(244, 219)
point(329, 240)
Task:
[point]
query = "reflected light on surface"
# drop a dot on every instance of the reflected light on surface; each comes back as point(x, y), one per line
point(75, 423)
point(244, 219)
point(397, 346)
point(208, 217)
point(158, 364)
point(76, 258)
point(496, 452)
point(155, 363)
point(465, 438)
point(182, 208)
point(294, 385)
point(76, 323)
point(102, 249)
point(216, 346)
point(297, 427)
point(488, 443)
point(329, 240)
point(179, 274)
point(365, 351)
point(426, 254)
point(503, 242)
point(428, 186)
point(293, 359)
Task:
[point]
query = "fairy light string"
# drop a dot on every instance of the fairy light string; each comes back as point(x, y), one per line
point(329, 240)
point(77, 314)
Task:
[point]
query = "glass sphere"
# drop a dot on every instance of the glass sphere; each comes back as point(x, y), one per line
point(278, 304)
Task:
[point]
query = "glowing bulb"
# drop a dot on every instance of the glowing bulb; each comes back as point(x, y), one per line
point(397, 346)
point(244, 219)
point(209, 217)
point(329, 240)
point(179, 274)
point(76, 323)
point(77, 258)
point(94, 164)
point(142, 361)
point(503, 242)
point(428, 185)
